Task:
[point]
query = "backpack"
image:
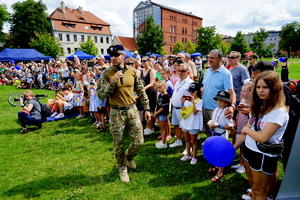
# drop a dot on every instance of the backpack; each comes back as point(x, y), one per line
point(45, 111)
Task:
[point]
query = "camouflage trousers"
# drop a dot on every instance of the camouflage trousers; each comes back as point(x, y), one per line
point(121, 121)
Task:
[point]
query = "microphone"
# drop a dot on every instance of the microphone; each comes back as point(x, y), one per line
point(121, 78)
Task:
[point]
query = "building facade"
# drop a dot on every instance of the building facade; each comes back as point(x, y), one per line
point(73, 26)
point(127, 42)
point(176, 25)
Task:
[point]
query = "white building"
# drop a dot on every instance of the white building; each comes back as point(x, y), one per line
point(73, 26)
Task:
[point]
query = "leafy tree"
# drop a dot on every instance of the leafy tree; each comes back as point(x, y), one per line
point(207, 39)
point(28, 17)
point(89, 47)
point(225, 47)
point(4, 17)
point(178, 46)
point(163, 51)
point(151, 39)
point(46, 44)
point(239, 43)
point(190, 47)
point(258, 46)
point(290, 34)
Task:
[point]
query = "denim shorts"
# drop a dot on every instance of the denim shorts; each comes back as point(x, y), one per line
point(162, 118)
point(193, 131)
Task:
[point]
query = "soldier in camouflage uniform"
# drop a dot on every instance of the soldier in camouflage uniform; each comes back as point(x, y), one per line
point(123, 113)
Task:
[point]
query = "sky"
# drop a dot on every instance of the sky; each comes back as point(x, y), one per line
point(229, 16)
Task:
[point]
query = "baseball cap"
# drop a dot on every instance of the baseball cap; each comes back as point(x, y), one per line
point(100, 57)
point(223, 95)
point(194, 87)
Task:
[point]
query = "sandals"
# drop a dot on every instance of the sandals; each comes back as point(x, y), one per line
point(101, 129)
point(24, 130)
point(212, 169)
point(217, 178)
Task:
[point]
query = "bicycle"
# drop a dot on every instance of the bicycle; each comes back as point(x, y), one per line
point(14, 98)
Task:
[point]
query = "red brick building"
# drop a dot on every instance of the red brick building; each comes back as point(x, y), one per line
point(177, 25)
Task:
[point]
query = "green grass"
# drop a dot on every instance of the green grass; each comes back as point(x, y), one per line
point(69, 159)
point(294, 67)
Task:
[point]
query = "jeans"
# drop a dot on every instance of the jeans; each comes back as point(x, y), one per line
point(26, 119)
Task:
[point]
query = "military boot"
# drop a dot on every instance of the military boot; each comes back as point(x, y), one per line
point(123, 175)
point(131, 164)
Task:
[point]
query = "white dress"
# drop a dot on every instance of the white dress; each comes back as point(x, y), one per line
point(94, 101)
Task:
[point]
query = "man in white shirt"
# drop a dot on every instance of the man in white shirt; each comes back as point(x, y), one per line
point(198, 63)
point(181, 88)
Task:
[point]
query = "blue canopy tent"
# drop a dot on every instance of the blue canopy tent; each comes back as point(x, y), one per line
point(181, 52)
point(81, 55)
point(196, 54)
point(21, 54)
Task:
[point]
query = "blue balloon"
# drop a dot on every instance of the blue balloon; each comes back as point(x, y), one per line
point(218, 151)
point(17, 67)
point(282, 59)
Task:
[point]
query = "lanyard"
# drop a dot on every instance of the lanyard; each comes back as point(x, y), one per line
point(181, 86)
point(220, 115)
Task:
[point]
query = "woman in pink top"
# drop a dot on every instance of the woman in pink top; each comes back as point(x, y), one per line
point(175, 75)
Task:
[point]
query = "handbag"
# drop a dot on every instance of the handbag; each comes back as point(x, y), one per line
point(187, 111)
point(269, 147)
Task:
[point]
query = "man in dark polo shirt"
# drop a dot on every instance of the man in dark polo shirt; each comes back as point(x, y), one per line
point(119, 83)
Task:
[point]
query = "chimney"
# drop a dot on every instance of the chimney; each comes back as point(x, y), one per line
point(63, 7)
point(80, 9)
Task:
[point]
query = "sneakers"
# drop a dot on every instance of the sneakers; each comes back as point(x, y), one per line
point(123, 175)
point(160, 145)
point(148, 131)
point(96, 122)
point(80, 116)
point(236, 166)
point(240, 170)
point(186, 157)
point(246, 197)
point(131, 164)
point(54, 114)
point(60, 115)
point(193, 161)
point(177, 143)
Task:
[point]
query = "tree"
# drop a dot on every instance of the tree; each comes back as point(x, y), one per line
point(190, 47)
point(151, 39)
point(28, 17)
point(239, 43)
point(163, 51)
point(290, 34)
point(89, 47)
point(178, 46)
point(46, 44)
point(258, 46)
point(207, 39)
point(225, 47)
point(4, 17)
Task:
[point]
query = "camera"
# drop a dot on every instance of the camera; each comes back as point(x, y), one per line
point(18, 99)
point(186, 97)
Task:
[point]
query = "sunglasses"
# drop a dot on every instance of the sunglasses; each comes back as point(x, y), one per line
point(232, 57)
point(131, 63)
point(115, 54)
point(144, 60)
point(250, 58)
point(182, 71)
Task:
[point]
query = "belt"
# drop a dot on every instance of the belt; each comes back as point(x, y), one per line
point(177, 107)
point(122, 107)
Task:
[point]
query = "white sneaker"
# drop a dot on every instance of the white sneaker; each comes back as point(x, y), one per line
point(186, 157)
point(244, 196)
point(236, 166)
point(146, 129)
point(193, 161)
point(185, 152)
point(177, 143)
point(240, 170)
point(60, 115)
point(149, 132)
point(54, 114)
point(198, 137)
point(96, 122)
point(161, 145)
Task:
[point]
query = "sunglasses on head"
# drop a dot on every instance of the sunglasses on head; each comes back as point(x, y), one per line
point(116, 54)
point(232, 57)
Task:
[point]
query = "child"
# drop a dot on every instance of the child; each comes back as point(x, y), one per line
point(242, 121)
point(62, 102)
point(29, 79)
point(60, 85)
point(193, 123)
point(94, 104)
point(162, 112)
point(79, 95)
point(220, 124)
point(40, 80)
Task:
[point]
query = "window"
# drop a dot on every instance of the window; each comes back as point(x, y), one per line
point(182, 31)
point(75, 49)
point(82, 38)
point(95, 39)
point(195, 23)
point(107, 40)
point(270, 39)
point(171, 29)
point(102, 51)
point(75, 37)
point(182, 40)
point(184, 21)
point(174, 29)
point(171, 39)
point(274, 39)
point(68, 37)
point(60, 36)
point(174, 39)
point(100, 28)
point(101, 39)
point(69, 50)
point(66, 26)
point(185, 32)
point(171, 49)
point(73, 25)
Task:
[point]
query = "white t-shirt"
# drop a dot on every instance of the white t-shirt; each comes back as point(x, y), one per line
point(218, 116)
point(193, 121)
point(180, 89)
point(65, 72)
point(69, 98)
point(278, 116)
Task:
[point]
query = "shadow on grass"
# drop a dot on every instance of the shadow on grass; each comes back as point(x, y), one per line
point(36, 188)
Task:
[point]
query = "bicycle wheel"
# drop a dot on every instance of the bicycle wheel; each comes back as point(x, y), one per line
point(14, 99)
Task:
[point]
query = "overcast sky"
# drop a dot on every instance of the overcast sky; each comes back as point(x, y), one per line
point(229, 16)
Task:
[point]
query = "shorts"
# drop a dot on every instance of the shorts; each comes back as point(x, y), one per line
point(162, 118)
point(260, 162)
point(175, 116)
point(101, 111)
point(192, 132)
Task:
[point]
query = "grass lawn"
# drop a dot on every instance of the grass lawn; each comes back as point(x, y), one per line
point(69, 159)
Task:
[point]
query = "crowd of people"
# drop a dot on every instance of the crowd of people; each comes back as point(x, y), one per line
point(250, 103)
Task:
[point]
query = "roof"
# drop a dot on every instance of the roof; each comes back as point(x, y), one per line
point(128, 43)
point(174, 9)
point(84, 22)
